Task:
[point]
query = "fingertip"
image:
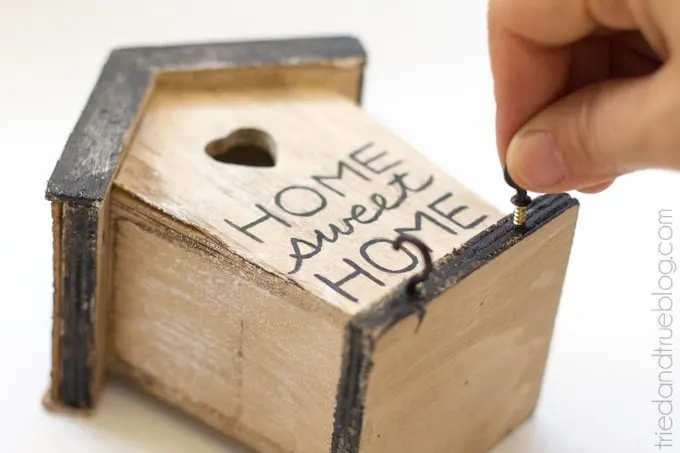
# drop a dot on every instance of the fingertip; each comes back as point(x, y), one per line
point(533, 161)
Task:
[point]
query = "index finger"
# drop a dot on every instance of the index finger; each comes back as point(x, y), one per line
point(530, 57)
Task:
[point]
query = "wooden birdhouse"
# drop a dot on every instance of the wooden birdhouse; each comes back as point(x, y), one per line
point(234, 235)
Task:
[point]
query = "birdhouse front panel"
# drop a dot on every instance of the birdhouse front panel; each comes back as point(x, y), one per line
point(332, 192)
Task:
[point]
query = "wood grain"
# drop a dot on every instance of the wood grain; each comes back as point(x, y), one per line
point(474, 369)
point(302, 197)
point(57, 260)
point(192, 312)
point(211, 338)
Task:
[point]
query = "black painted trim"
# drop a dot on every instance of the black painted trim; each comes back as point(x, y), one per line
point(83, 174)
point(76, 314)
point(349, 408)
point(368, 326)
point(90, 157)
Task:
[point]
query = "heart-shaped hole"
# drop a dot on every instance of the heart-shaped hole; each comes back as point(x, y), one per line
point(248, 147)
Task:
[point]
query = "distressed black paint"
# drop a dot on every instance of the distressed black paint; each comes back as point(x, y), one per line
point(77, 299)
point(84, 173)
point(92, 152)
point(448, 272)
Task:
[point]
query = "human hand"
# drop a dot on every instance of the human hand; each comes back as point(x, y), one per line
point(586, 90)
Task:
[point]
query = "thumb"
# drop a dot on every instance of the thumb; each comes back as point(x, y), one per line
point(593, 135)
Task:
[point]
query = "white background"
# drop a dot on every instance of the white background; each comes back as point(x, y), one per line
point(428, 80)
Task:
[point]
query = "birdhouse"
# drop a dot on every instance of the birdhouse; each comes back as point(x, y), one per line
point(234, 235)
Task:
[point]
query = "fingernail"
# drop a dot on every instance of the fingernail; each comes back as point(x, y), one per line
point(533, 156)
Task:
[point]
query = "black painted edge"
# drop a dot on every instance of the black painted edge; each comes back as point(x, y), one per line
point(76, 312)
point(349, 409)
point(221, 55)
point(83, 174)
point(453, 268)
point(90, 157)
point(364, 330)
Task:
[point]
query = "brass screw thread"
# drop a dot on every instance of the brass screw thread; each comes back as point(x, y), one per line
point(520, 216)
point(521, 200)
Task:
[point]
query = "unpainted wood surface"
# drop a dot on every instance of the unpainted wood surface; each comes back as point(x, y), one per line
point(100, 316)
point(342, 77)
point(205, 332)
point(473, 371)
point(318, 228)
point(52, 397)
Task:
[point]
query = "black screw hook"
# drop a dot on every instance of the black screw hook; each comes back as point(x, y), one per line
point(412, 285)
point(413, 282)
point(521, 200)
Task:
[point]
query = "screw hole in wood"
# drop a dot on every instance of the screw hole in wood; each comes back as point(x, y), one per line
point(248, 147)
